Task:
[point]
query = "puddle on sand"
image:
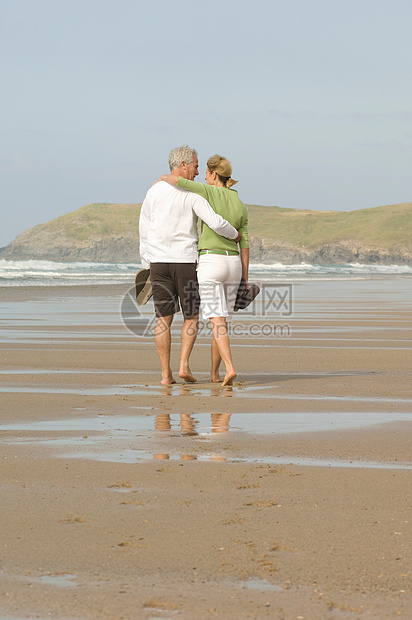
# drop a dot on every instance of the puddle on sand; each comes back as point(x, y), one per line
point(63, 581)
point(130, 439)
point(87, 371)
point(260, 584)
point(206, 424)
point(255, 392)
point(132, 456)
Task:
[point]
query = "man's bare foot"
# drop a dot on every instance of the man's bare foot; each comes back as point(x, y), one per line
point(187, 377)
point(229, 378)
point(167, 381)
point(215, 379)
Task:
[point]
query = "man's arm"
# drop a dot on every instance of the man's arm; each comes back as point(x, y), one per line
point(215, 221)
point(143, 225)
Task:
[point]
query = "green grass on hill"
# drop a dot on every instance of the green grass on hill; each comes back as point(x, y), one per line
point(385, 227)
point(98, 220)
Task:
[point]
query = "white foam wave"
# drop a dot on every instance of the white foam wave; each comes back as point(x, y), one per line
point(48, 273)
point(53, 273)
point(349, 268)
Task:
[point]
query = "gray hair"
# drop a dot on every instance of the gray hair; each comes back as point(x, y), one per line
point(179, 154)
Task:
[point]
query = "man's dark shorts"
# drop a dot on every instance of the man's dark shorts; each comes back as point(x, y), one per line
point(172, 282)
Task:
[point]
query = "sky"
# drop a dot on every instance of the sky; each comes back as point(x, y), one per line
point(311, 101)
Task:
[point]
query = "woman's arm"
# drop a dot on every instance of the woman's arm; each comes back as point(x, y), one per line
point(243, 228)
point(172, 179)
point(191, 186)
point(244, 258)
point(198, 188)
point(244, 248)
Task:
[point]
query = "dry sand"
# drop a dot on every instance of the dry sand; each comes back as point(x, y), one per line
point(169, 502)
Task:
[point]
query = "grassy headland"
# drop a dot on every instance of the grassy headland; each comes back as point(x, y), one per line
point(110, 232)
point(380, 226)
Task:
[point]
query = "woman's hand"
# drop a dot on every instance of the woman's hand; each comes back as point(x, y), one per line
point(169, 178)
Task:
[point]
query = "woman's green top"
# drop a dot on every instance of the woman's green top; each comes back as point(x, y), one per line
point(226, 203)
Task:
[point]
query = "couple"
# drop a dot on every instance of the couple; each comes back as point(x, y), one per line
point(180, 265)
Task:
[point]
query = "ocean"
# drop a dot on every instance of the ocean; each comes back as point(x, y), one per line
point(51, 273)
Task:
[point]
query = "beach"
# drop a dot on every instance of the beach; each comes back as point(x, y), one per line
point(286, 496)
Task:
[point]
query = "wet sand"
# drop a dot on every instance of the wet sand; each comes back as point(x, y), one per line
point(286, 496)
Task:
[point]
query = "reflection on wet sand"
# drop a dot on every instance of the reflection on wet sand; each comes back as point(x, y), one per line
point(190, 389)
point(187, 423)
point(220, 424)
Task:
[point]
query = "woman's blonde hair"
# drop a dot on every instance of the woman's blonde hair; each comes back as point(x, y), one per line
point(223, 169)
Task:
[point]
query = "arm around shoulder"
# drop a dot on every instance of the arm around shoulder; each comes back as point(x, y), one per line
point(193, 186)
point(215, 221)
point(172, 179)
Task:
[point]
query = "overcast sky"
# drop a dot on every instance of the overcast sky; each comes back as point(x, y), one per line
point(309, 99)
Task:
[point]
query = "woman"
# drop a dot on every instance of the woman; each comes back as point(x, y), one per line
point(220, 265)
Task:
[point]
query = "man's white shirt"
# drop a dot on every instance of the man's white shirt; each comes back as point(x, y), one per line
point(168, 225)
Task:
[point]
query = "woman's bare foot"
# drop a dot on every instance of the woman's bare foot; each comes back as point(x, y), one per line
point(215, 379)
point(229, 378)
point(187, 376)
point(168, 380)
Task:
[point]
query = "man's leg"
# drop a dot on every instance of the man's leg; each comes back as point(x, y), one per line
point(166, 304)
point(163, 344)
point(189, 333)
point(188, 291)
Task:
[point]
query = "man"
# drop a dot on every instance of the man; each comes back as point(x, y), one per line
point(168, 247)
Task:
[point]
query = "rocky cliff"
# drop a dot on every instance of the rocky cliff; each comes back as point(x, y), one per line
point(109, 233)
point(266, 251)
